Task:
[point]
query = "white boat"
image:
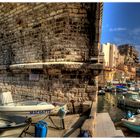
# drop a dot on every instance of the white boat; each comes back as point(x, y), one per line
point(23, 107)
point(12, 125)
point(132, 88)
point(130, 99)
point(8, 122)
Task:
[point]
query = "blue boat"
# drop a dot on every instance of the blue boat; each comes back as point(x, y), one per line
point(132, 123)
point(121, 88)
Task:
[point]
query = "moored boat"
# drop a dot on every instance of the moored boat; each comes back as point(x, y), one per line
point(101, 92)
point(30, 108)
point(133, 123)
point(121, 89)
point(12, 125)
point(10, 121)
point(27, 107)
point(130, 99)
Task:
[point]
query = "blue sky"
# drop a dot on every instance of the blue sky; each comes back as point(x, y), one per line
point(121, 23)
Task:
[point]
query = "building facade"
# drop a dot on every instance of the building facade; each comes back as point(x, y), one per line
point(111, 59)
point(128, 59)
point(110, 54)
point(119, 62)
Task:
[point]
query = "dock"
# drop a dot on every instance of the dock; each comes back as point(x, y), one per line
point(95, 124)
point(104, 127)
point(100, 124)
point(72, 128)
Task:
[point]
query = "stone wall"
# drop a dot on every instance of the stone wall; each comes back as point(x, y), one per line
point(62, 87)
point(49, 32)
point(32, 33)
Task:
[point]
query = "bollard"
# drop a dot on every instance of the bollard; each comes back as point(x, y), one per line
point(62, 114)
point(41, 129)
point(72, 101)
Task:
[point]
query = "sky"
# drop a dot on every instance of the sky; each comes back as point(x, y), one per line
point(121, 23)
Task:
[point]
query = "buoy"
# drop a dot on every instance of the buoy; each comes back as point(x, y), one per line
point(129, 114)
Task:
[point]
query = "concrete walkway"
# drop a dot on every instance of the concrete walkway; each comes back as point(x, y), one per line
point(104, 127)
point(72, 127)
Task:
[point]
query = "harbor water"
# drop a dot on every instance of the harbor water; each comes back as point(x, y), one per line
point(108, 103)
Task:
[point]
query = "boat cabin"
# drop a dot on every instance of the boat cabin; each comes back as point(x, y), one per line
point(132, 95)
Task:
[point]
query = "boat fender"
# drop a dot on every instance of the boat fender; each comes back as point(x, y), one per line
point(129, 114)
point(138, 111)
point(61, 113)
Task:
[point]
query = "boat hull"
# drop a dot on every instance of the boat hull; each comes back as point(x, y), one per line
point(11, 125)
point(128, 103)
point(34, 111)
point(27, 107)
point(12, 121)
point(133, 127)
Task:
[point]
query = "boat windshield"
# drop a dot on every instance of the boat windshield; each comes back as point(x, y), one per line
point(133, 96)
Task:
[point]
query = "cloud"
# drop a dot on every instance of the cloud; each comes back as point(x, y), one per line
point(137, 47)
point(135, 31)
point(120, 40)
point(134, 34)
point(129, 36)
point(117, 29)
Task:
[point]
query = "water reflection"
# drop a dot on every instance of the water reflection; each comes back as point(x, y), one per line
point(108, 103)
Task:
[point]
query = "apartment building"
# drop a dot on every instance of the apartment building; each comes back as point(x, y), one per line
point(111, 56)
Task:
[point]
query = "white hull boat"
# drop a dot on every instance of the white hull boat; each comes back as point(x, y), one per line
point(130, 99)
point(11, 125)
point(9, 122)
point(31, 107)
point(23, 107)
